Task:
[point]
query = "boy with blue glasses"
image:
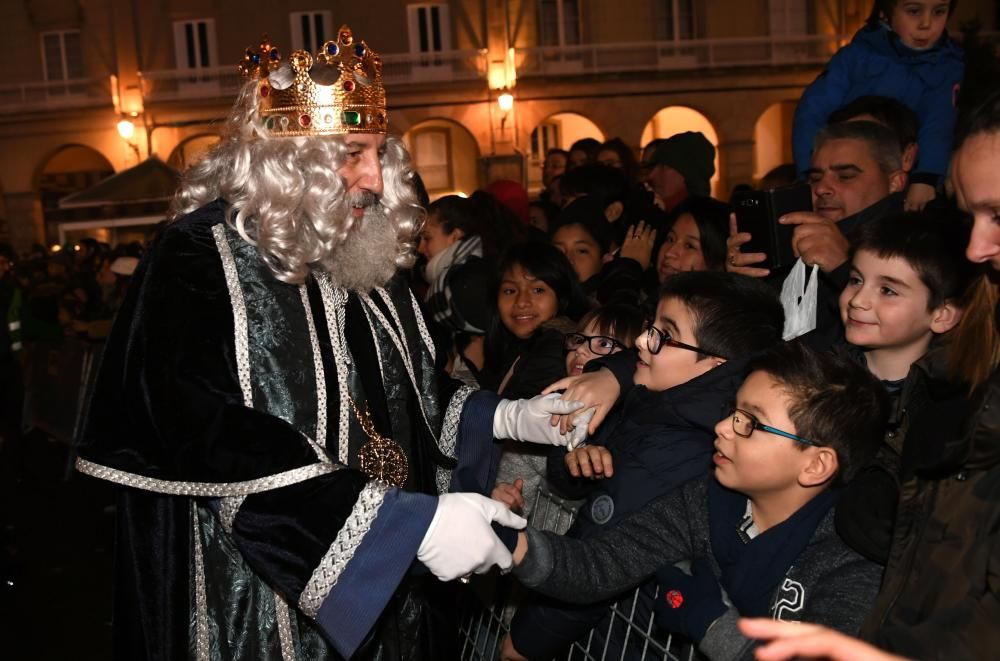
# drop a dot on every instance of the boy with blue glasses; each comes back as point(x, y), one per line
point(758, 533)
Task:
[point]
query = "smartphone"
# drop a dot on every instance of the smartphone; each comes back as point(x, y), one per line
point(758, 211)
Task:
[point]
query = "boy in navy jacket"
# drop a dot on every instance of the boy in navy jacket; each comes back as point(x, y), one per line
point(691, 360)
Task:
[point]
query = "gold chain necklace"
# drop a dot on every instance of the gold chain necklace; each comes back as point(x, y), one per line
point(380, 458)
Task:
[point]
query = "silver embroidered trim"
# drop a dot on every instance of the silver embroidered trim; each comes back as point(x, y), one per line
point(228, 508)
point(401, 347)
point(343, 548)
point(422, 327)
point(334, 301)
point(378, 347)
point(284, 622)
point(205, 489)
point(320, 377)
point(239, 312)
point(200, 597)
point(449, 433)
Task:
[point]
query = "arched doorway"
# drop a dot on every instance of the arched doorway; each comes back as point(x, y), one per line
point(678, 119)
point(72, 168)
point(772, 138)
point(557, 131)
point(190, 150)
point(445, 155)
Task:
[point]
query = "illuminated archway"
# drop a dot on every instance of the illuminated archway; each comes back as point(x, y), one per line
point(445, 155)
point(772, 138)
point(190, 150)
point(672, 120)
point(70, 169)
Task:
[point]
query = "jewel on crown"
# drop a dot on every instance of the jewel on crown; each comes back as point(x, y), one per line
point(336, 92)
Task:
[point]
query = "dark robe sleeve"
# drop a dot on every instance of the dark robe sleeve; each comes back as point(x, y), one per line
point(167, 416)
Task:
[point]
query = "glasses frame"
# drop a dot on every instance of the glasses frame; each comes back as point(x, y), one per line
point(757, 424)
point(664, 339)
point(589, 340)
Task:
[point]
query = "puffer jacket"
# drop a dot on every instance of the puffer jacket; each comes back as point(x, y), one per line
point(940, 596)
point(877, 63)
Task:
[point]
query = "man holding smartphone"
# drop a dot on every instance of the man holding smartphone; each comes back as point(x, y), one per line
point(856, 175)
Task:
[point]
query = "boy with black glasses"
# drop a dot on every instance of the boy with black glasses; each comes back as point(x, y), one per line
point(758, 533)
point(689, 361)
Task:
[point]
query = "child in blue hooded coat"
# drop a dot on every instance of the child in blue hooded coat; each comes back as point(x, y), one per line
point(903, 52)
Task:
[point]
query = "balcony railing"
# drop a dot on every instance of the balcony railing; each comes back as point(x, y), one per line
point(55, 95)
point(464, 65)
point(677, 55)
point(448, 66)
point(223, 82)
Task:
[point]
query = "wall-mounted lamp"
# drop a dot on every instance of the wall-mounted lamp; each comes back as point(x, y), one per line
point(126, 129)
point(506, 101)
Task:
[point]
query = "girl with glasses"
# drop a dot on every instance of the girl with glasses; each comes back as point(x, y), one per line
point(601, 332)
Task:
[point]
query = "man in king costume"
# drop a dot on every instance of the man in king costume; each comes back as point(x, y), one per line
point(268, 398)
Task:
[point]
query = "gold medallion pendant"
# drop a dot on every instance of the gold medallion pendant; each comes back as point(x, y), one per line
point(381, 458)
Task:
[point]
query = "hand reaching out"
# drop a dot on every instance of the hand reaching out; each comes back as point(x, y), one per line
point(794, 640)
point(595, 390)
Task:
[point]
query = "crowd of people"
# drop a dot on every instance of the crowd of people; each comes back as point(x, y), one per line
point(821, 451)
point(851, 477)
point(46, 296)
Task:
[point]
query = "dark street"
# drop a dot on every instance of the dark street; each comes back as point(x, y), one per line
point(56, 559)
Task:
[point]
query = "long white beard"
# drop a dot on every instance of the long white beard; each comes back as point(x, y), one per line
point(367, 257)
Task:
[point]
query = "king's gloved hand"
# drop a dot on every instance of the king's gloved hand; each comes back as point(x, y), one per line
point(528, 420)
point(460, 540)
point(688, 603)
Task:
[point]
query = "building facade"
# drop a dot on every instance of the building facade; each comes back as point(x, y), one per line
point(635, 69)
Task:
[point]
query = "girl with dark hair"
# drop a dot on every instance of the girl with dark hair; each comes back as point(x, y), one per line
point(538, 300)
point(697, 238)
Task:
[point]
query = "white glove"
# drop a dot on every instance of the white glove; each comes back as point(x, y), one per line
point(460, 541)
point(528, 420)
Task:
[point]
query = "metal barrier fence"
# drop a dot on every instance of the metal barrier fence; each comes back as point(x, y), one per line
point(628, 633)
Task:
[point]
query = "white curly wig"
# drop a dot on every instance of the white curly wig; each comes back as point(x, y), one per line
point(286, 197)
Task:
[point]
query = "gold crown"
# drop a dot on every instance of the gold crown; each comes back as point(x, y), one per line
point(337, 92)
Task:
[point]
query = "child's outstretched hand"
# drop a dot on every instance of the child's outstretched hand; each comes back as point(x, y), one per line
point(511, 495)
point(598, 390)
point(918, 195)
point(590, 461)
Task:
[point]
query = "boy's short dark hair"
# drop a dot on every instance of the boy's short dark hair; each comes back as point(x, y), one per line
point(836, 402)
point(932, 243)
point(893, 114)
point(734, 315)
